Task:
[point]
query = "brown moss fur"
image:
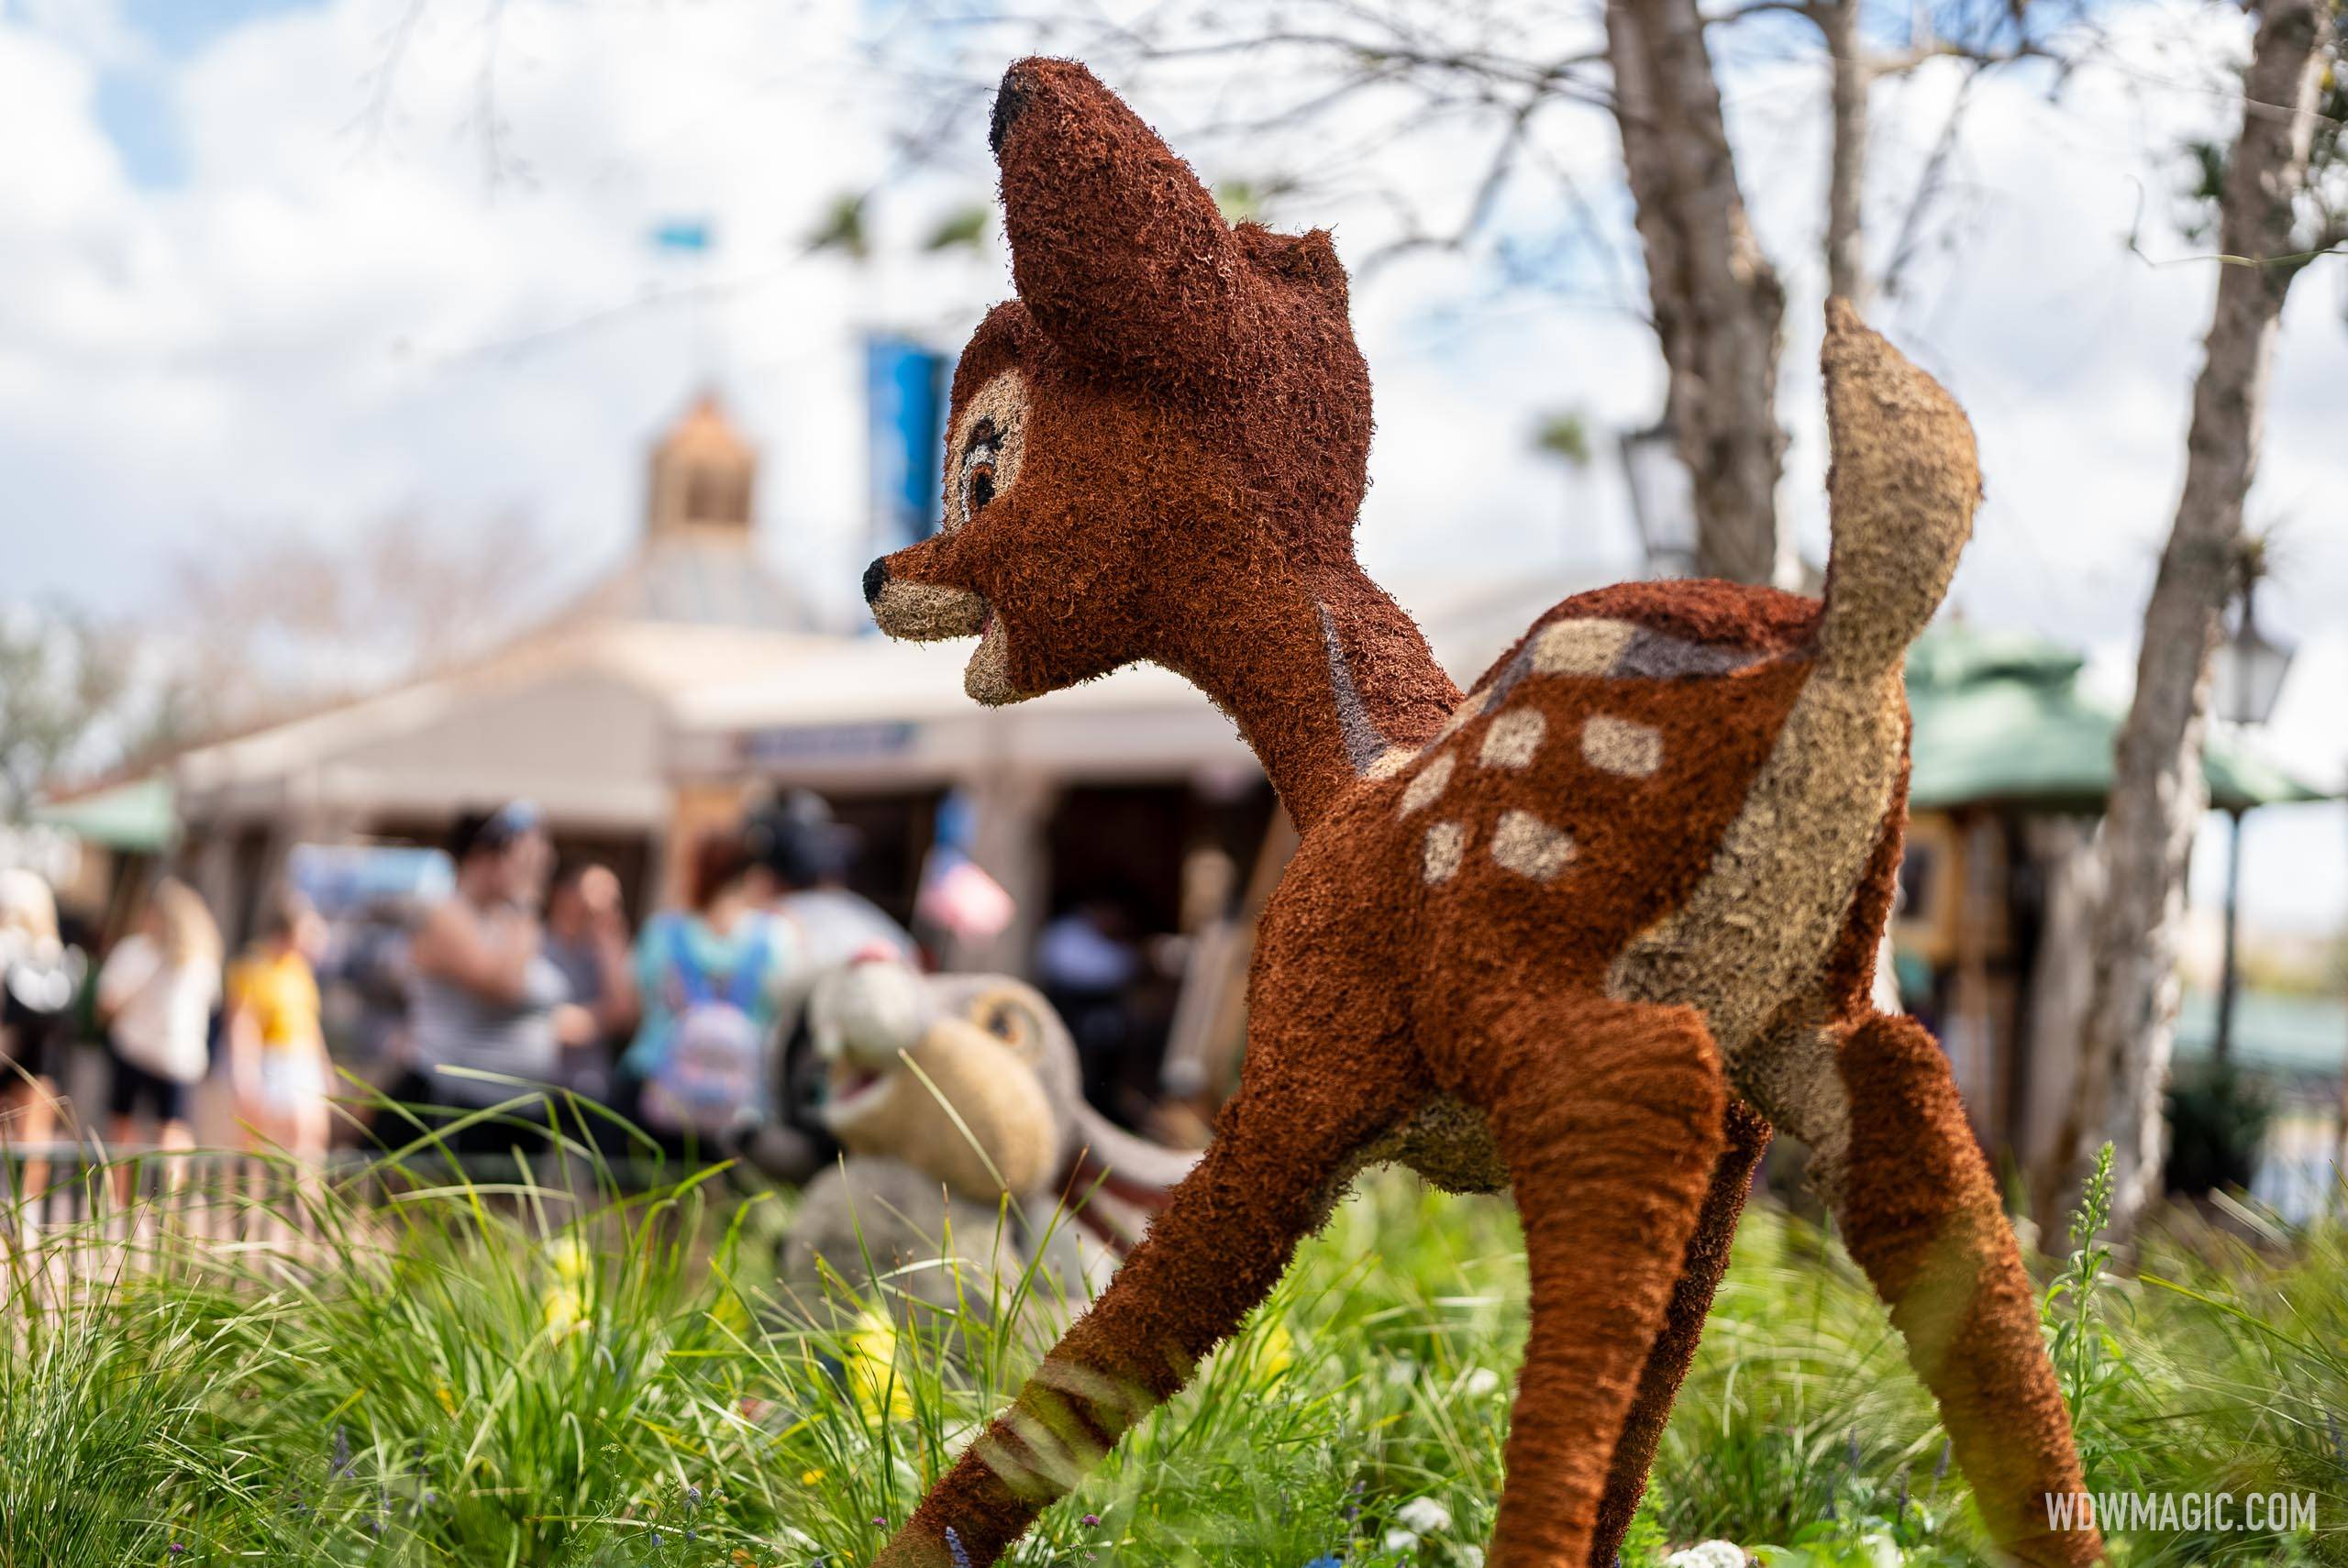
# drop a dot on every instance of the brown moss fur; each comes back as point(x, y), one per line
point(1191, 453)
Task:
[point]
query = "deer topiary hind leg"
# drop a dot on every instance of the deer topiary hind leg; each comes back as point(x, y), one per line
point(1683, 1326)
point(1922, 1216)
point(1610, 1118)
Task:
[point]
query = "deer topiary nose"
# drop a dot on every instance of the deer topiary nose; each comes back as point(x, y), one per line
point(876, 578)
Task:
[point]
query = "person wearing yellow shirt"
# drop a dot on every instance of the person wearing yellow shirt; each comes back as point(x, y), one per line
point(277, 1049)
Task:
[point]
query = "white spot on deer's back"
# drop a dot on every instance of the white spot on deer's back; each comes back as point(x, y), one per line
point(1579, 646)
point(1619, 745)
point(1422, 791)
point(1391, 763)
point(1513, 738)
point(1441, 851)
point(1531, 847)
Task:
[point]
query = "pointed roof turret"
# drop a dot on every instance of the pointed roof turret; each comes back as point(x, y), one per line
point(703, 475)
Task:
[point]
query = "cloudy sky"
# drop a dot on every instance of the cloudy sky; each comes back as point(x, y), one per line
point(274, 264)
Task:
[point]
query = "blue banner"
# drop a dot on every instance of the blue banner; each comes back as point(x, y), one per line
point(904, 392)
point(684, 234)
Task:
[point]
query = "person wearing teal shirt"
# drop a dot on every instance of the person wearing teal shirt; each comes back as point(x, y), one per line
point(712, 977)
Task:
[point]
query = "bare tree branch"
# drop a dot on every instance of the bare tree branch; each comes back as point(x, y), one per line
point(1908, 239)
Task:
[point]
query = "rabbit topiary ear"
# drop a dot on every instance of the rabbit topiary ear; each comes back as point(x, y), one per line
point(1117, 249)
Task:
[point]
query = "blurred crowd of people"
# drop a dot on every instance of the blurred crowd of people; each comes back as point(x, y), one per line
point(524, 973)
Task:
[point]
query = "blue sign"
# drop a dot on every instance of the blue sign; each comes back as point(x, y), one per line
point(904, 389)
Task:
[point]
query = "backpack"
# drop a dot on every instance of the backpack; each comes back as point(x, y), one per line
point(711, 1075)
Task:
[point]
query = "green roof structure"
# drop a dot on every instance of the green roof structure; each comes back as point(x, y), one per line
point(2000, 719)
point(136, 817)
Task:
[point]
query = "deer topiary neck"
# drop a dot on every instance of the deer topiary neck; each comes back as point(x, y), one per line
point(1321, 671)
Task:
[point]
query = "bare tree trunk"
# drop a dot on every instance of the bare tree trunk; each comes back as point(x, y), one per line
point(1716, 300)
point(1846, 273)
point(2158, 795)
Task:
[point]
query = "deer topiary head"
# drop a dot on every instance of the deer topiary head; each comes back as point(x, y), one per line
point(1164, 435)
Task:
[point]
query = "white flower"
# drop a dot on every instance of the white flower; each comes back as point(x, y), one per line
point(1467, 1556)
point(1483, 1382)
point(1882, 1550)
point(1711, 1554)
point(1424, 1515)
point(1399, 1541)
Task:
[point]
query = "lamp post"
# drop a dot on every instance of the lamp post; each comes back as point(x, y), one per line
point(1662, 499)
point(2247, 671)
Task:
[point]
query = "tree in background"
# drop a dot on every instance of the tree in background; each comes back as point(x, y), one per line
point(1370, 81)
point(284, 622)
point(2281, 201)
point(291, 619)
point(61, 677)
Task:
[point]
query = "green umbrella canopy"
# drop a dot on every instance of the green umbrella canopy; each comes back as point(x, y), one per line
point(2000, 719)
point(136, 817)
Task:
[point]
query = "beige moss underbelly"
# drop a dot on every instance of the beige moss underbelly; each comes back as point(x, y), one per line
point(1447, 1142)
point(1450, 1143)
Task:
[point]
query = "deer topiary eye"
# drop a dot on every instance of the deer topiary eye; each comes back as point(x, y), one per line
point(983, 456)
point(980, 462)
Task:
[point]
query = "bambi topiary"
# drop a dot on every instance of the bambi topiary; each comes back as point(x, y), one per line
point(1585, 931)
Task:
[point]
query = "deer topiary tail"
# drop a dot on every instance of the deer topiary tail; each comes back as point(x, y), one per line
point(1902, 487)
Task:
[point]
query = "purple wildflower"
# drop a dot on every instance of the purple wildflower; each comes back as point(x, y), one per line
point(954, 1546)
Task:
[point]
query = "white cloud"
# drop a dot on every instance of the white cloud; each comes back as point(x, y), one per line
point(306, 329)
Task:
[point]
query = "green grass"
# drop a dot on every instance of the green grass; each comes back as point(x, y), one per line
point(505, 1377)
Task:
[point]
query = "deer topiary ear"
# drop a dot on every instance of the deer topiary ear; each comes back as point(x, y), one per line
point(1117, 249)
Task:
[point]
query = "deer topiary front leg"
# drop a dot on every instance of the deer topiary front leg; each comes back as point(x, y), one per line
point(1225, 1239)
point(1610, 1118)
point(1683, 1327)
